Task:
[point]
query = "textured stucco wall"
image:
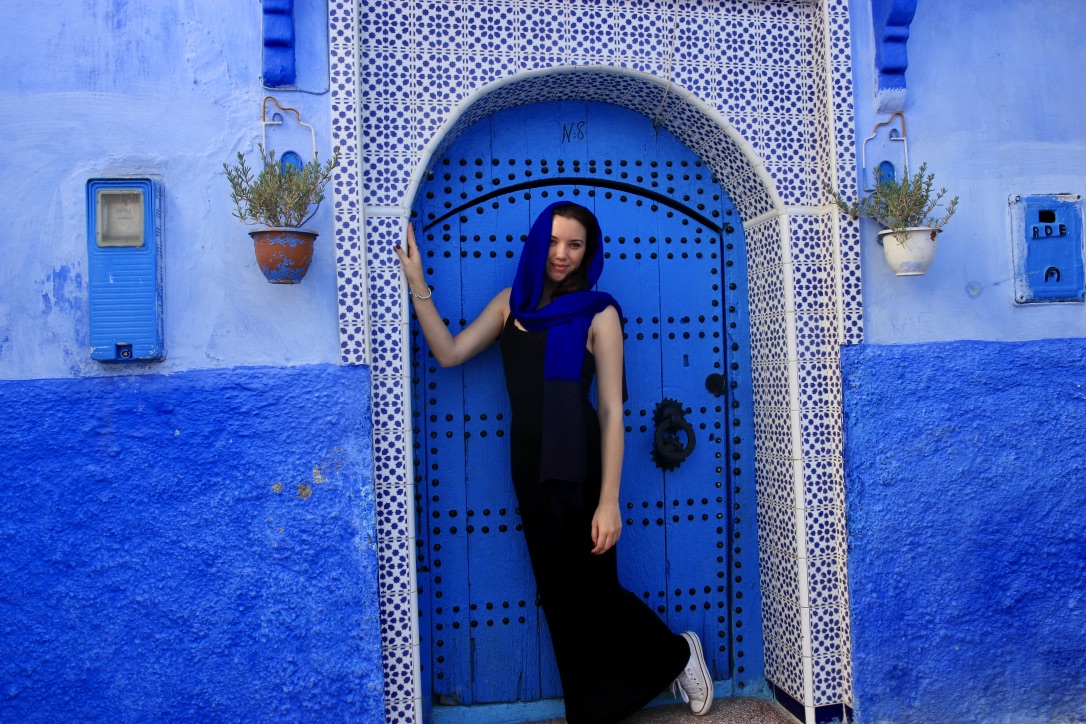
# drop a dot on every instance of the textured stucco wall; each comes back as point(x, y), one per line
point(993, 105)
point(191, 547)
point(168, 89)
point(965, 468)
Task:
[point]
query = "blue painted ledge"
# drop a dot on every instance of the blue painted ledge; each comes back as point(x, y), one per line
point(280, 62)
point(891, 20)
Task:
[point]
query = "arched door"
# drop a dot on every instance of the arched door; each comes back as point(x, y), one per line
point(675, 261)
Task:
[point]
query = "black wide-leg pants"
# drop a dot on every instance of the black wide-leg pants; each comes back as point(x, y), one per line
point(614, 654)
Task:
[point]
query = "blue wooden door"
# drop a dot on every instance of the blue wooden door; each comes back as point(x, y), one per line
point(675, 262)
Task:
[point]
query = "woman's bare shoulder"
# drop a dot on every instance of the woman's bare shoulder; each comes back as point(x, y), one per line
point(606, 327)
point(607, 317)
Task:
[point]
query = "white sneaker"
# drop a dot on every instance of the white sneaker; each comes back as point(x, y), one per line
point(694, 683)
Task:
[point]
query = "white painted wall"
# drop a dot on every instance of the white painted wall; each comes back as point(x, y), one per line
point(168, 89)
point(995, 105)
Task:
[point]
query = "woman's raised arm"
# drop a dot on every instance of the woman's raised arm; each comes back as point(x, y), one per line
point(449, 350)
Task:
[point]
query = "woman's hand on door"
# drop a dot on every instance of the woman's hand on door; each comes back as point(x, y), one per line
point(606, 527)
point(411, 261)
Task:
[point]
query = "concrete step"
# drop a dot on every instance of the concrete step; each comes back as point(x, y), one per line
point(725, 711)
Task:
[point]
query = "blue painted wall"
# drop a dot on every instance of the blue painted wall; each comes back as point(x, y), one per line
point(964, 459)
point(995, 106)
point(191, 539)
point(965, 466)
point(196, 546)
point(170, 90)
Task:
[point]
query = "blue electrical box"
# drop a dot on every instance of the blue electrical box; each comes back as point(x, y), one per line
point(1046, 236)
point(124, 250)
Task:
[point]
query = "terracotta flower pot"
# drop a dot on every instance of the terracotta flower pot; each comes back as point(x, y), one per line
point(283, 254)
point(909, 252)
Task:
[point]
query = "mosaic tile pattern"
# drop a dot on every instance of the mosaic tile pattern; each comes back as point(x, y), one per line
point(784, 667)
point(761, 90)
point(846, 660)
point(832, 679)
point(838, 52)
point(350, 244)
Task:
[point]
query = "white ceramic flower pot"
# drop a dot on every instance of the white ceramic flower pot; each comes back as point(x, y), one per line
point(909, 252)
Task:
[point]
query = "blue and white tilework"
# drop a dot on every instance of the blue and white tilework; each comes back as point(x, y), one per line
point(761, 90)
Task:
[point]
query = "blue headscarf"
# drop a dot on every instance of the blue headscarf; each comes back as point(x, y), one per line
point(566, 321)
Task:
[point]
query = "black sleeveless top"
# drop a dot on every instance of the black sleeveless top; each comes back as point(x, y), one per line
point(523, 355)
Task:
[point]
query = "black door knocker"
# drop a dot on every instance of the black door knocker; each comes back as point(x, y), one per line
point(668, 449)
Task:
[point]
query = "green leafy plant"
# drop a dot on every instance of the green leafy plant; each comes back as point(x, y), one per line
point(281, 194)
point(905, 204)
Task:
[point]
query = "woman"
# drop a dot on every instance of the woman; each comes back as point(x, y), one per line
point(614, 654)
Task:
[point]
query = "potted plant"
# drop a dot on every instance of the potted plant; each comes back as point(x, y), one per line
point(906, 209)
point(279, 199)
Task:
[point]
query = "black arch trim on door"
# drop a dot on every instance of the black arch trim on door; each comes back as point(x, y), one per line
point(581, 181)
